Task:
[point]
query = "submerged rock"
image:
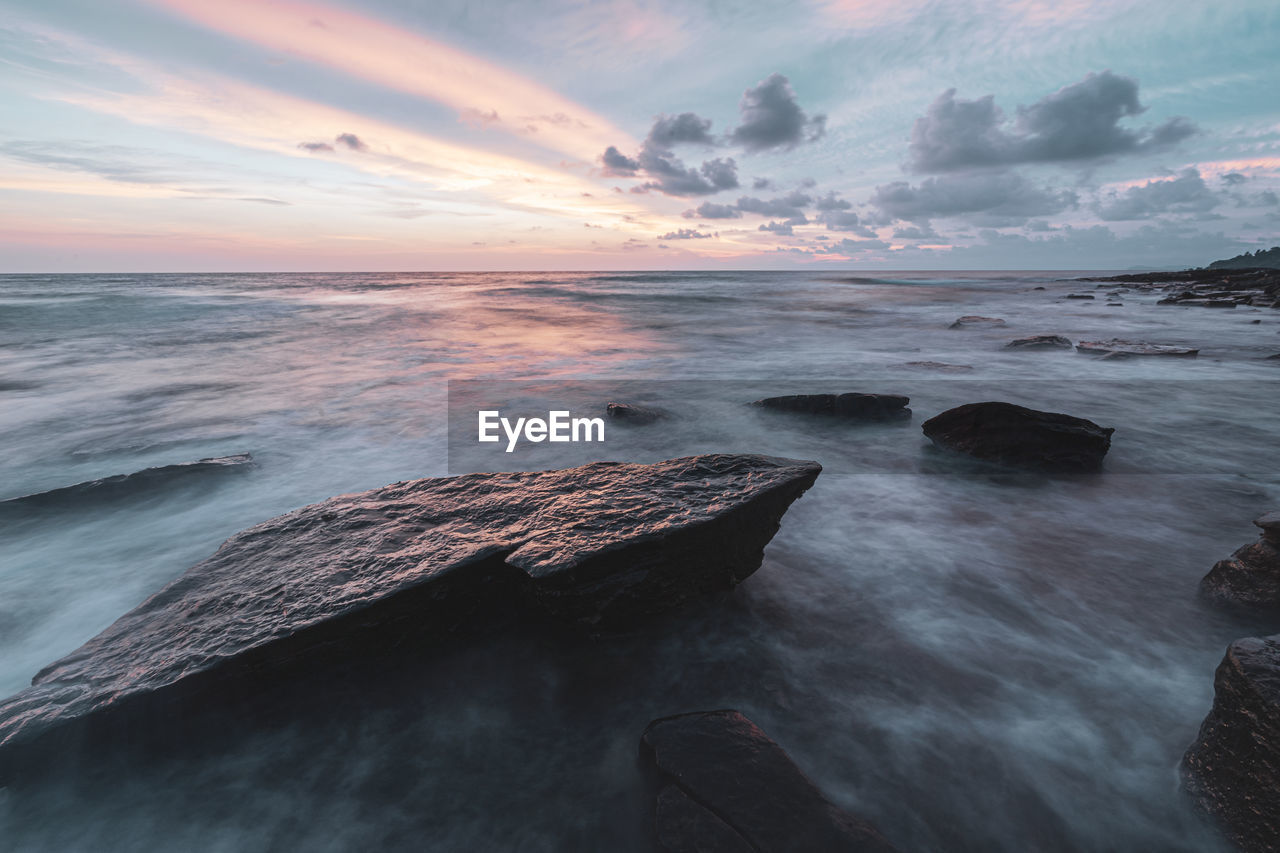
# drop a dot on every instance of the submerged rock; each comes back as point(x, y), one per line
point(973, 320)
point(941, 366)
point(627, 413)
point(727, 787)
point(124, 486)
point(1022, 437)
point(1080, 295)
point(606, 544)
point(874, 407)
point(1116, 346)
point(1232, 771)
point(1251, 576)
point(1040, 342)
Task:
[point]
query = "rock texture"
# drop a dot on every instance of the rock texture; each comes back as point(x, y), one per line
point(974, 321)
point(125, 486)
point(629, 414)
point(1232, 771)
point(1040, 342)
point(873, 407)
point(725, 786)
point(606, 544)
point(1251, 576)
point(1022, 437)
point(1116, 346)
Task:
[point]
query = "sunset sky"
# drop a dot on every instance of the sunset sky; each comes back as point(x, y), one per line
point(188, 135)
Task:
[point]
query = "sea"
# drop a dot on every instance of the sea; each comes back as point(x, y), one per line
point(971, 659)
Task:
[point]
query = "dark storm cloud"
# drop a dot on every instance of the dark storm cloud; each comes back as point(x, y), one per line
point(685, 234)
point(1002, 194)
point(711, 210)
point(1078, 122)
point(1186, 193)
point(350, 141)
point(771, 118)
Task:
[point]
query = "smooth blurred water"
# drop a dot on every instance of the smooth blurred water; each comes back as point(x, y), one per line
point(972, 662)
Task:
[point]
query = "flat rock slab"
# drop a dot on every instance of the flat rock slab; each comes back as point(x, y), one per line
point(1232, 771)
point(606, 544)
point(970, 321)
point(727, 787)
point(872, 407)
point(125, 486)
point(1015, 435)
point(1116, 346)
point(1040, 342)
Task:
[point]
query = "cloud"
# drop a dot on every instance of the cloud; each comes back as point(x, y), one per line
point(789, 207)
point(668, 174)
point(618, 164)
point(1000, 194)
point(686, 128)
point(350, 141)
point(315, 147)
point(782, 228)
point(916, 232)
point(1232, 179)
point(711, 210)
point(1186, 193)
point(1076, 123)
point(685, 234)
point(762, 184)
point(771, 118)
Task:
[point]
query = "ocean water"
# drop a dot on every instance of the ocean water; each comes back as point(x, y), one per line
point(969, 660)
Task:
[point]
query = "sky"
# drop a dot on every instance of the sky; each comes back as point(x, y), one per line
point(278, 135)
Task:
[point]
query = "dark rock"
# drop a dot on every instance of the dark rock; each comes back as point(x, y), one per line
point(1116, 345)
point(940, 366)
point(1037, 288)
point(1022, 437)
point(605, 544)
point(120, 487)
point(1040, 342)
point(1251, 576)
point(1232, 771)
point(1275, 357)
point(874, 407)
point(1080, 295)
point(638, 415)
point(1198, 303)
point(726, 782)
point(973, 320)
point(1115, 304)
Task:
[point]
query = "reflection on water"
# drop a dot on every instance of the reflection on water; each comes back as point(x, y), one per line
point(974, 663)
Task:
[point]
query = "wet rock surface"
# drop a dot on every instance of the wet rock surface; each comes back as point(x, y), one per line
point(125, 486)
point(1232, 771)
point(1013, 435)
point(1040, 342)
point(606, 544)
point(1208, 288)
point(1123, 348)
point(856, 406)
point(970, 321)
point(631, 414)
point(727, 787)
point(1251, 576)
